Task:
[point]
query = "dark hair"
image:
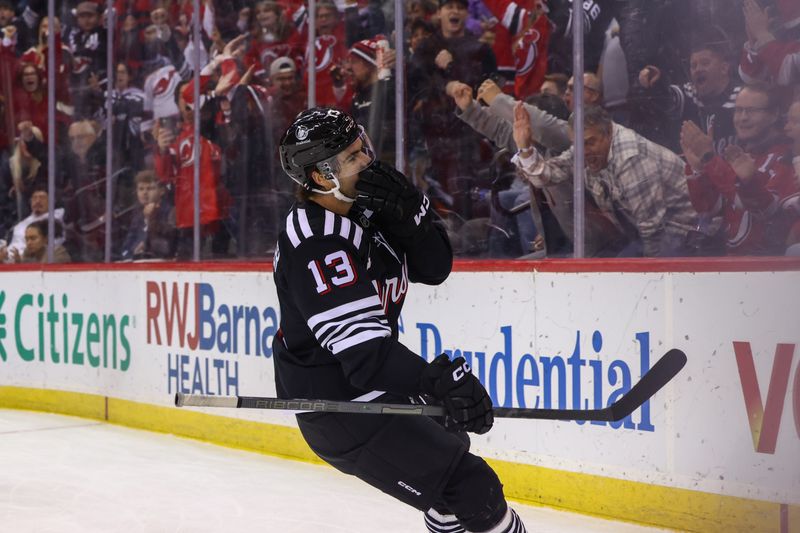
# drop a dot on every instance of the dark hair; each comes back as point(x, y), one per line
point(40, 186)
point(421, 24)
point(715, 40)
point(594, 116)
point(145, 176)
point(41, 226)
point(560, 79)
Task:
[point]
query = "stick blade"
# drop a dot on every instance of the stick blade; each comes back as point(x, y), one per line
point(654, 380)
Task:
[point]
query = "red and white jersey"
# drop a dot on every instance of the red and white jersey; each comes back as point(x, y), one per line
point(177, 166)
point(775, 62)
point(159, 92)
point(530, 58)
point(330, 52)
point(750, 208)
point(262, 53)
point(527, 43)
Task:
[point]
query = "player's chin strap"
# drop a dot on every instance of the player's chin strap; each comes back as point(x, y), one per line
point(335, 191)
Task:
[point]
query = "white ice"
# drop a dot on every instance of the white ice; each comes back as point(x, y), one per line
point(63, 474)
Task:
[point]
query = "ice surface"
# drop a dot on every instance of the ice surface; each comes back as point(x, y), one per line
point(64, 474)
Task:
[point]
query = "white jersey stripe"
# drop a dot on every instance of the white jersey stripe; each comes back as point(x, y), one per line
point(357, 236)
point(341, 310)
point(305, 227)
point(345, 230)
point(330, 218)
point(368, 397)
point(290, 231)
point(361, 326)
point(357, 339)
point(323, 332)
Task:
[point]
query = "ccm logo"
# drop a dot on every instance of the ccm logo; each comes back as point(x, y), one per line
point(409, 488)
point(423, 208)
point(461, 371)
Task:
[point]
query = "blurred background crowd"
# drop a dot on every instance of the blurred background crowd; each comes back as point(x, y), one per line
point(691, 122)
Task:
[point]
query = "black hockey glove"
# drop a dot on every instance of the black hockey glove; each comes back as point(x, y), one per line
point(399, 207)
point(469, 407)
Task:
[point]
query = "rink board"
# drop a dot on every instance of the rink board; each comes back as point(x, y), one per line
point(717, 450)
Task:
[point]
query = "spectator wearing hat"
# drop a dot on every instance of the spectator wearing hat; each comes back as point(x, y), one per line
point(87, 44)
point(174, 161)
point(287, 96)
point(373, 98)
point(449, 54)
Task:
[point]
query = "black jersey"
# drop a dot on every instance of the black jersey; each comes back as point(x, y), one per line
point(341, 285)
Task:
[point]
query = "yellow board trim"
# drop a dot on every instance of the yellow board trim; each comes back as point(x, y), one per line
point(674, 508)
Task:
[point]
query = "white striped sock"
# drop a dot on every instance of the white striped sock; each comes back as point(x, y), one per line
point(439, 523)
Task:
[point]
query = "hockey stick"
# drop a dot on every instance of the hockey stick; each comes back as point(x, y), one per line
point(662, 372)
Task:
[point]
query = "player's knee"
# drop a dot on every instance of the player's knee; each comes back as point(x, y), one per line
point(475, 495)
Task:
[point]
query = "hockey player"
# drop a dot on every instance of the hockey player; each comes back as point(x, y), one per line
point(356, 237)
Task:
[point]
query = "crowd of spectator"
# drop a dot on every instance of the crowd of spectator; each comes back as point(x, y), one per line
point(692, 122)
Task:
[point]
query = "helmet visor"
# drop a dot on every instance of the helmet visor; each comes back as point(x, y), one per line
point(352, 160)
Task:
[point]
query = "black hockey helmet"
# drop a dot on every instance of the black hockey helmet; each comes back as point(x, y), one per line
point(315, 138)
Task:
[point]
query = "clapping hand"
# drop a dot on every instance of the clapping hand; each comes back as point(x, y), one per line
point(695, 144)
point(523, 136)
point(742, 163)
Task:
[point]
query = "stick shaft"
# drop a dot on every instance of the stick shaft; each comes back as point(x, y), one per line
point(662, 372)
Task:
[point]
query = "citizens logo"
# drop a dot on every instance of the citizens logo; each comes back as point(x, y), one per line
point(46, 330)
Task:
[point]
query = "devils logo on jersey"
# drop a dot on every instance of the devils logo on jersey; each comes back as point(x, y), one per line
point(326, 45)
point(526, 52)
point(163, 84)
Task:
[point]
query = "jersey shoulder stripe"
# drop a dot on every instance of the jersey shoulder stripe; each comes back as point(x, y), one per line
point(303, 223)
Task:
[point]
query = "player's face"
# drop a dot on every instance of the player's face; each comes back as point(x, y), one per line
point(355, 158)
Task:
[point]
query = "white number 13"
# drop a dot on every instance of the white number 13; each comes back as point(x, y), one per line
point(345, 274)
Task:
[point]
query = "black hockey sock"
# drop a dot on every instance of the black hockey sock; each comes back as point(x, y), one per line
point(511, 523)
point(437, 522)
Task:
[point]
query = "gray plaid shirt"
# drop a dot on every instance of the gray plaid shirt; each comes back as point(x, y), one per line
point(643, 182)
